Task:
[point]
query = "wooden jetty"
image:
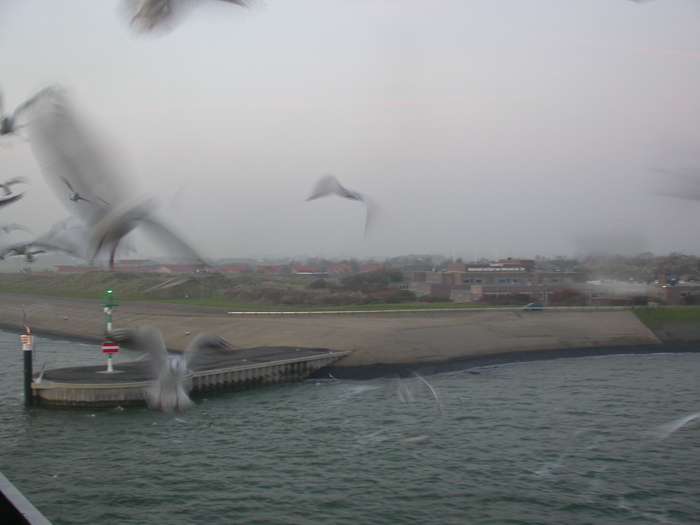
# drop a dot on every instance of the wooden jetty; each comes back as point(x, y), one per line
point(94, 386)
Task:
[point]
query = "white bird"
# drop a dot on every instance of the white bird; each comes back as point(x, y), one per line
point(407, 394)
point(100, 197)
point(7, 185)
point(170, 393)
point(10, 199)
point(148, 16)
point(21, 249)
point(665, 430)
point(8, 123)
point(329, 185)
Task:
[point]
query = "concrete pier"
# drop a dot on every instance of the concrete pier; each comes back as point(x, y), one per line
point(92, 386)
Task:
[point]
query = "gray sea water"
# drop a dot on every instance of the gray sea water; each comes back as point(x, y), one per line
point(543, 442)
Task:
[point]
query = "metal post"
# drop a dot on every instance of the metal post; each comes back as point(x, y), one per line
point(27, 350)
point(108, 302)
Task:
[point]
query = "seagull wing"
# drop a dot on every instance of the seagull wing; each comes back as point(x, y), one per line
point(203, 341)
point(665, 430)
point(169, 240)
point(16, 180)
point(12, 226)
point(69, 155)
point(24, 105)
point(327, 185)
point(144, 339)
point(13, 198)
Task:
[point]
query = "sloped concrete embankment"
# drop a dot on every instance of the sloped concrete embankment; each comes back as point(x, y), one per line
point(375, 338)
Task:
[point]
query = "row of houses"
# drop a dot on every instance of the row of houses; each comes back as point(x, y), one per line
point(507, 279)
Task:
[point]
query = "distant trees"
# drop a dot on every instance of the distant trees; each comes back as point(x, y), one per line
point(372, 281)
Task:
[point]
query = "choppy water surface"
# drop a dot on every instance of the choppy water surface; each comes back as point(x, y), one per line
point(547, 442)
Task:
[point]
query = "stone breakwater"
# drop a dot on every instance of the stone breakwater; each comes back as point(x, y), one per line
point(375, 338)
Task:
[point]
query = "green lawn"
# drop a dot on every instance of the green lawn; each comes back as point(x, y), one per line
point(655, 318)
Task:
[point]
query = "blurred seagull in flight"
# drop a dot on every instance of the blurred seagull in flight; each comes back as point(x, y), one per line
point(11, 199)
point(148, 16)
point(70, 157)
point(7, 185)
point(7, 227)
point(6, 188)
point(75, 196)
point(8, 123)
point(170, 393)
point(22, 249)
point(329, 185)
point(665, 430)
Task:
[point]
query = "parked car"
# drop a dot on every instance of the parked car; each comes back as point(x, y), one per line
point(533, 307)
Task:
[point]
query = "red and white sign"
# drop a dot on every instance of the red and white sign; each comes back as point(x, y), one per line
point(110, 348)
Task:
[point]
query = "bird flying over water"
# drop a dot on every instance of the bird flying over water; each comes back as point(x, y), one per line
point(665, 430)
point(149, 16)
point(329, 185)
point(170, 393)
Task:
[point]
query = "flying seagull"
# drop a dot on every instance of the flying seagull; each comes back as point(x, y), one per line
point(170, 393)
point(329, 185)
point(75, 196)
point(665, 430)
point(22, 249)
point(8, 123)
point(149, 16)
point(70, 157)
point(11, 199)
point(7, 185)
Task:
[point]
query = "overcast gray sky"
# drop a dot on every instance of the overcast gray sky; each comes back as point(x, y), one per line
point(487, 128)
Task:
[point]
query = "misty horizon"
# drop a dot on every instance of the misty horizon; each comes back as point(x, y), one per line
point(482, 129)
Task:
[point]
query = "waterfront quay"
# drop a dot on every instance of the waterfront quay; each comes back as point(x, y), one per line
point(231, 370)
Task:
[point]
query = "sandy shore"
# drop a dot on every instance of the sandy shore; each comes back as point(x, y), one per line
point(375, 338)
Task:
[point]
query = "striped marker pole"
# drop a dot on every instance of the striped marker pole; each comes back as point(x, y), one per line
point(109, 348)
point(28, 351)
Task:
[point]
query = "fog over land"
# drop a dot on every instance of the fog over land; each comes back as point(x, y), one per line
point(480, 128)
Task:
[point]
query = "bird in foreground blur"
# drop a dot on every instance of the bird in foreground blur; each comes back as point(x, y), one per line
point(25, 249)
point(7, 185)
point(407, 391)
point(102, 201)
point(329, 185)
point(11, 199)
point(170, 392)
point(8, 123)
point(665, 430)
point(7, 227)
point(149, 16)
